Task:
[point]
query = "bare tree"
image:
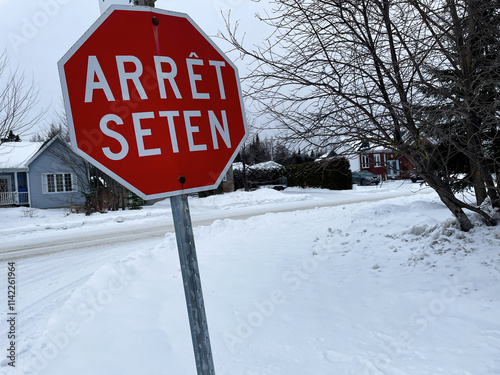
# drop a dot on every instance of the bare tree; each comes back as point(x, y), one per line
point(101, 192)
point(18, 101)
point(57, 125)
point(335, 73)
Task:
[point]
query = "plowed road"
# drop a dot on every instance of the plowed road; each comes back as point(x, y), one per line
point(39, 244)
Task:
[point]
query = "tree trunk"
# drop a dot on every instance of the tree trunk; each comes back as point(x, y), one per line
point(446, 196)
point(245, 179)
point(477, 156)
point(479, 189)
point(498, 181)
point(443, 190)
point(490, 185)
point(124, 195)
point(463, 220)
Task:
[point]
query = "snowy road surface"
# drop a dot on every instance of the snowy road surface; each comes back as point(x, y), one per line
point(76, 238)
point(387, 287)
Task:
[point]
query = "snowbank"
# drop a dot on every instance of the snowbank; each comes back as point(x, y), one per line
point(389, 287)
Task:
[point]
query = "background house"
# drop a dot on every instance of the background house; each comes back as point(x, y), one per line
point(384, 162)
point(41, 174)
point(377, 160)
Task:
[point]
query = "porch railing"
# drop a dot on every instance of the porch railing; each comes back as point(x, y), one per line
point(13, 197)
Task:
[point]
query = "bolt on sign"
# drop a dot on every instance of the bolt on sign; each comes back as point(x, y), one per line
point(150, 98)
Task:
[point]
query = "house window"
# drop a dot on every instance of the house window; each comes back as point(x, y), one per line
point(58, 183)
point(365, 162)
point(376, 158)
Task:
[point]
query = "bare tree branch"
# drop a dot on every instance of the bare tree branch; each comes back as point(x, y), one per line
point(410, 75)
point(18, 101)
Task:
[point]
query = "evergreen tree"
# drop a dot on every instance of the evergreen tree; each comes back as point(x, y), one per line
point(282, 155)
point(464, 97)
point(11, 138)
point(134, 201)
point(256, 152)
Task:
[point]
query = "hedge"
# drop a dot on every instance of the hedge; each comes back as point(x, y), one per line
point(259, 175)
point(334, 174)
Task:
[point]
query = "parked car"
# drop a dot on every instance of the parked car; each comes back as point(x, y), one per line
point(414, 177)
point(365, 178)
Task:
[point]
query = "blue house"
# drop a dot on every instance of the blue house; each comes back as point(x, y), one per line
point(41, 174)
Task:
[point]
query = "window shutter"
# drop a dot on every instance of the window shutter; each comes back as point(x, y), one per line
point(45, 190)
point(74, 182)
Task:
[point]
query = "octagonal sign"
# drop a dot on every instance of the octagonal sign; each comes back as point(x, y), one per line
point(153, 102)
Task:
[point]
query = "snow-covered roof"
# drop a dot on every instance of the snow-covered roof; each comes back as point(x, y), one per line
point(377, 149)
point(17, 155)
point(327, 155)
point(267, 165)
point(264, 166)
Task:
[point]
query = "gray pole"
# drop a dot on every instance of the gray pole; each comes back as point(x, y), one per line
point(190, 273)
point(192, 285)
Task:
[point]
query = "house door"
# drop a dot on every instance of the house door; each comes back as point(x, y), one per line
point(5, 184)
point(392, 168)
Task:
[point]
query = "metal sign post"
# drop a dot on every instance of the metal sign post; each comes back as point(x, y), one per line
point(190, 274)
point(230, 107)
point(192, 285)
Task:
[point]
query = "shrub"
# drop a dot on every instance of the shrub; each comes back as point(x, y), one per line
point(134, 201)
point(208, 193)
point(267, 173)
point(333, 174)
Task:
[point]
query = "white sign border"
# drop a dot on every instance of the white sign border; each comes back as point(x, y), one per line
point(69, 114)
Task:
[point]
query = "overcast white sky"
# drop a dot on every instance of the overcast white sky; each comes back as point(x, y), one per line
point(35, 34)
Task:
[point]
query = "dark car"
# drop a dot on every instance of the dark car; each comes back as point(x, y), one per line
point(365, 178)
point(414, 177)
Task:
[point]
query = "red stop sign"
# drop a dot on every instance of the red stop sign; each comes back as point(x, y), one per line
point(150, 99)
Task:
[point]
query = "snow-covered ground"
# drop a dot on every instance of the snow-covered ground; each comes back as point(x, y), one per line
point(377, 287)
